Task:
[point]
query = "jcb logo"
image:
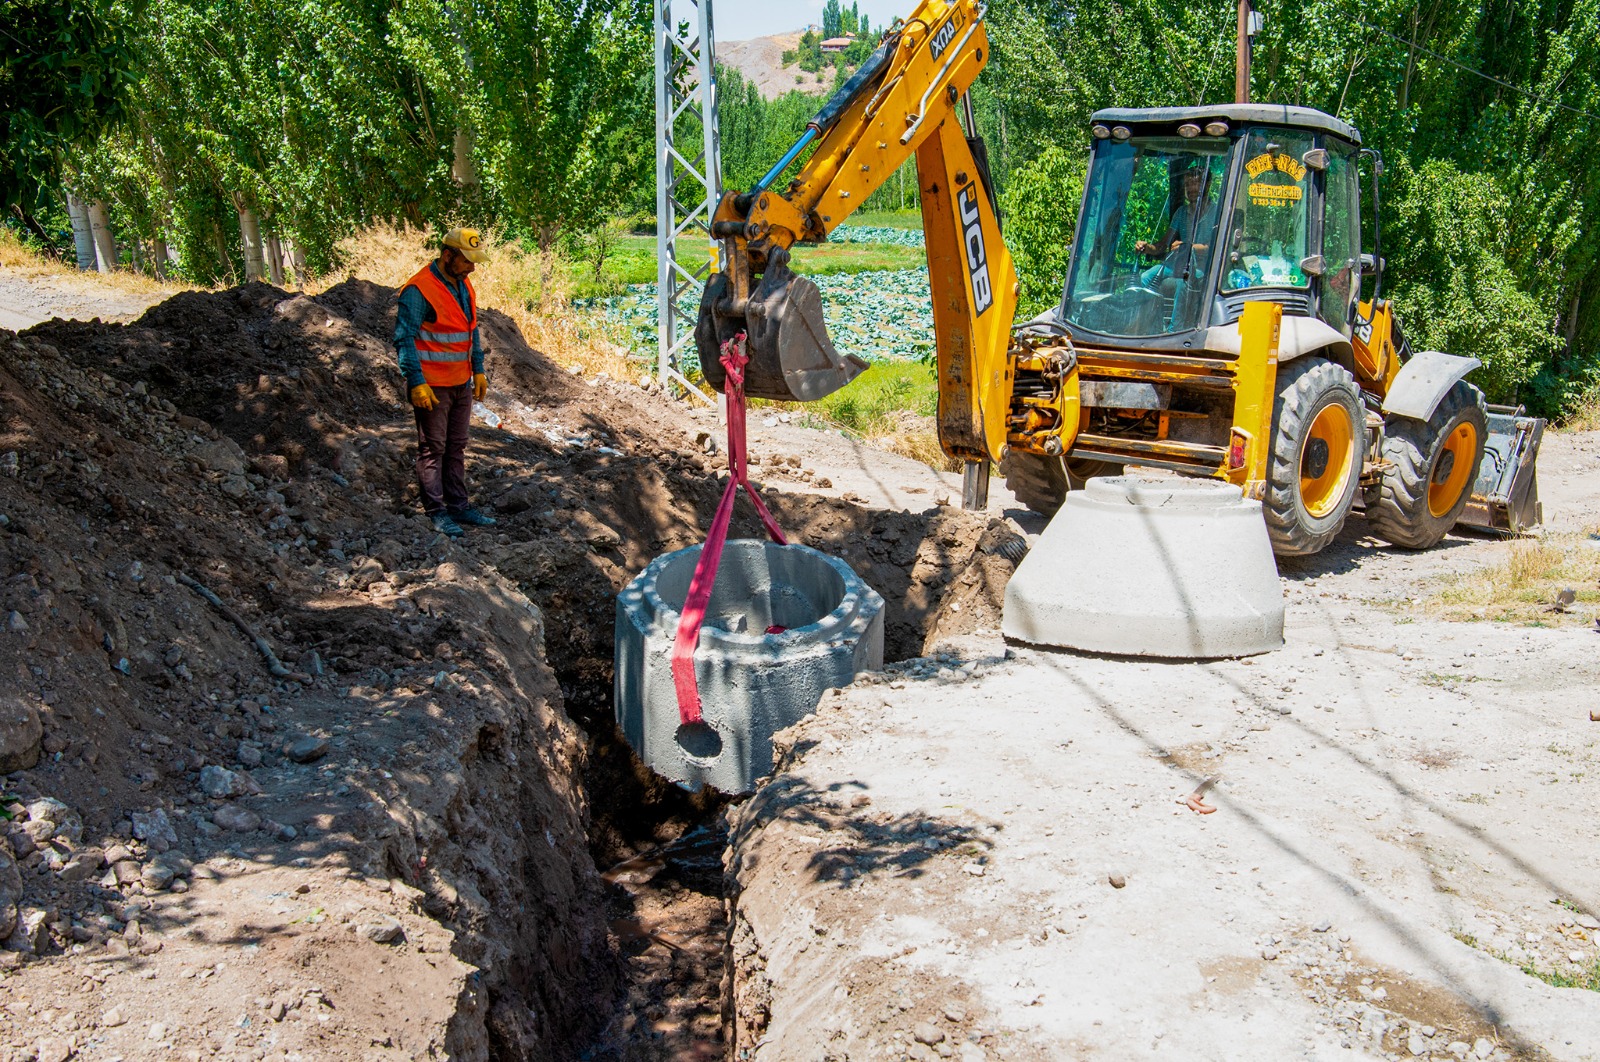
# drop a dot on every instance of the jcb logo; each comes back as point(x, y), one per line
point(977, 260)
point(946, 34)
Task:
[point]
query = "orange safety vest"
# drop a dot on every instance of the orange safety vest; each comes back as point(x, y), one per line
point(444, 345)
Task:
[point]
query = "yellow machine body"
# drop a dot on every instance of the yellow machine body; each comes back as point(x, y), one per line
point(1278, 378)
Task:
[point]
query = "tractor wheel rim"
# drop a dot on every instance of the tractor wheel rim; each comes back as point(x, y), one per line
point(1461, 444)
point(1321, 493)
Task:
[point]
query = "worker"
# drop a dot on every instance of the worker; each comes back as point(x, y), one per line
point(436, 339)
point(1178, 247)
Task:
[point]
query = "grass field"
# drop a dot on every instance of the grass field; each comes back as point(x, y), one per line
point(1522, 586)
point(632, 260)
point(892, 405)
point(875, 402)
point(888, 219)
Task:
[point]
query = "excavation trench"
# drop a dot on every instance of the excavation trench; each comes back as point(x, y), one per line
point(660, 847)
point(257, 441)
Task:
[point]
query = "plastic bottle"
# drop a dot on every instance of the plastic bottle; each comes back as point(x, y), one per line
point(485, 414)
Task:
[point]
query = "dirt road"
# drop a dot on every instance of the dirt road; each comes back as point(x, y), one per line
point(987, 854)
point(29, 298)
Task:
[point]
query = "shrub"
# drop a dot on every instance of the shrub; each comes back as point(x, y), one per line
point(1454, 290)
point(1040, 210)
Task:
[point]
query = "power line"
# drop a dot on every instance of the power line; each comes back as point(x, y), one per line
point(1476, 73)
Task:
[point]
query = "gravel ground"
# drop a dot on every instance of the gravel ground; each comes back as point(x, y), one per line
point(987, 854)
point(26, 300)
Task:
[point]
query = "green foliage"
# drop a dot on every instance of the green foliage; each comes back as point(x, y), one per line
point(559, 97)
point(757, 131)
point(832, 19)
point(324, 117)
point(872, 402)
point(1489, 187)
point(858, 52)
point(64, 75)
point(1040, 208)
point(809, 54)
point(1453, 287)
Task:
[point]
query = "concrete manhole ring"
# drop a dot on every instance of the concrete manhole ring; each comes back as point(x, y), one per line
point(784, 624)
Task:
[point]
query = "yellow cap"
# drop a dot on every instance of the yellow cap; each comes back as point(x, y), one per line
point(468, 242)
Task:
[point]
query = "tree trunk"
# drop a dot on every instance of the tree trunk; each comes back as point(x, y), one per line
point(31, 223)
point(275, 260)
point(105, 245)
point(250, 239)
point(158, 259)
point(82, 237)
point(461, 169)
point(297, 258)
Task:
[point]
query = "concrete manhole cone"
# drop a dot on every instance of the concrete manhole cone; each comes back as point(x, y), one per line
point(752, 683)
point(1150, 567)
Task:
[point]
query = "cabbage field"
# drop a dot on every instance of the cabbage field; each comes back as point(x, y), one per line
point(876, 315)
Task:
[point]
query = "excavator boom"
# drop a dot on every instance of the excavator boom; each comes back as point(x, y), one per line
point(903, 102)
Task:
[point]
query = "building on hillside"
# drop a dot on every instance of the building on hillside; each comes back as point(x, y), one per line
point(838, 44)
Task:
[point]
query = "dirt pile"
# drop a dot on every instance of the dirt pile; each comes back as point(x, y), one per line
point(384, 848)
point(411, 799)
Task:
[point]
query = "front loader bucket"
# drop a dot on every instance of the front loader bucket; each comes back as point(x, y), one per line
point(791, 357)
point(1506, 496)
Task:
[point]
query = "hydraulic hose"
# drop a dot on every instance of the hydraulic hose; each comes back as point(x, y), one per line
point(840, 101)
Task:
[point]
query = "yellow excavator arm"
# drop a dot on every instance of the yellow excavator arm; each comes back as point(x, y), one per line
point(906, 99)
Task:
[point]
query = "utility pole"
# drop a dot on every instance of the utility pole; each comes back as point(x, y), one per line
point(1241, 58)
point(688, 177)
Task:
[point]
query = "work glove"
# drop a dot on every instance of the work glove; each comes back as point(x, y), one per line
point(422, 397)
point(480, 386)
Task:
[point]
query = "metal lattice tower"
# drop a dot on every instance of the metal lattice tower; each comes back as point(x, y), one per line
point(688, 173)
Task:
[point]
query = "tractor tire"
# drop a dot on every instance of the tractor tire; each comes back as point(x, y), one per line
point(1314, 470)
point(1432, 466)
point(1041, 482)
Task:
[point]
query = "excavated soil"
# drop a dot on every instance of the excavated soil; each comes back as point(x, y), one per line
point(392, 846)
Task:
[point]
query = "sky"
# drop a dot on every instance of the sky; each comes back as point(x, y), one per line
point(739, 20)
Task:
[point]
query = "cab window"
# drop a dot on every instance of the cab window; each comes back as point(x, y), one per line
point(1341, 236)
point(1271, 213)
point(1147, 237)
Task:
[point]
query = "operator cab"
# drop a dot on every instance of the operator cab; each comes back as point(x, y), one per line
point(1190, 212)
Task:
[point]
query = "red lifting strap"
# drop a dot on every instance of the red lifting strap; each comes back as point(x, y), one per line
point(734, 360)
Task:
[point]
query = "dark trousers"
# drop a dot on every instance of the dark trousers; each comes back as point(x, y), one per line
point(442, 448)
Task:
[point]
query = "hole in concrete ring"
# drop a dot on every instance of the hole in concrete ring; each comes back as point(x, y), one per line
point(759, 586)
point(699, 740)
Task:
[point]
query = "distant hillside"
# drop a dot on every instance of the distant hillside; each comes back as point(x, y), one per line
point(761, 62)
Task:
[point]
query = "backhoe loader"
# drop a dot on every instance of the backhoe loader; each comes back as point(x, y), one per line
point(1213, 320)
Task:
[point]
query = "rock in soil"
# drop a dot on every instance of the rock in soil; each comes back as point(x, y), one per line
point(20, 735)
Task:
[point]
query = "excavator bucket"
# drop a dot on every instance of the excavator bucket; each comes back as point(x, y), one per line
point(791, 357)
point(1506, 496)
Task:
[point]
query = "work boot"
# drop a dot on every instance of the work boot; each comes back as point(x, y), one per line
point(446, 524)
point(473, 516)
